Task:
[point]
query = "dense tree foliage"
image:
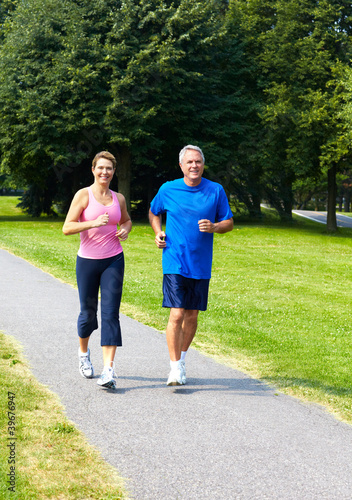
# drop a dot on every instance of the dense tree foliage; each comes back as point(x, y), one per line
point(137, 78)
point(53, 97)
point(301, 49)
point(6, 9)
point(263, 86)
point(169, 88)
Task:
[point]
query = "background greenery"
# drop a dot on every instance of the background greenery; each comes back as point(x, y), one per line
point(263, 86)
point(279, 305)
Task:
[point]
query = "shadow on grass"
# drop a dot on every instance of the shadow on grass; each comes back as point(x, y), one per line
point(303, 383)
point(27, 218)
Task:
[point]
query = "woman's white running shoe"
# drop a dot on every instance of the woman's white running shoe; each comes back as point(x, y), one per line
point(85, 365)
point(107, 378)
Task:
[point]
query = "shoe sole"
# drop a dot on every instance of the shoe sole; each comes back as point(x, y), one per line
point(109, 385)
point(174, 382)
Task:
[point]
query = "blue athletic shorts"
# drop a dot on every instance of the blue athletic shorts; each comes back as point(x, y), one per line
point(185, 293)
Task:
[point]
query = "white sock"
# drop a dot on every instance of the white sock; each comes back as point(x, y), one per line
point(83, 353)
point(183, 355)
point(110, 365)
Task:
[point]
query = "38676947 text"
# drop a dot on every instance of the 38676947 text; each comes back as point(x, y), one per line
point(11, 445)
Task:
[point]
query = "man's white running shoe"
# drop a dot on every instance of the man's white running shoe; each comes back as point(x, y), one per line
point(107, 377)
point(176, 375)
point(85, 365)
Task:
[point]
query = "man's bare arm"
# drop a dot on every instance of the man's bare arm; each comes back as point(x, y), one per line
point(155, 222)
point(224, 226)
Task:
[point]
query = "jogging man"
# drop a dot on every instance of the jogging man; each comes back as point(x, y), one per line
point(195, 209)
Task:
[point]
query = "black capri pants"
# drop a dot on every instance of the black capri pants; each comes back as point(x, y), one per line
point(106, 274)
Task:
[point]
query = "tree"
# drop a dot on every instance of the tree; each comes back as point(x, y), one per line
point(49, 79)
point(133, 77)
point(6, 8)
point(301, 48)
point(171, 63)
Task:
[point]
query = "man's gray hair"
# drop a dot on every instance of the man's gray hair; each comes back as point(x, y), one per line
point(189, 146)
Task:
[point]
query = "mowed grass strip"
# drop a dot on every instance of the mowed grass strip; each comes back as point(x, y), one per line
point(43, 455)
point(279, 304)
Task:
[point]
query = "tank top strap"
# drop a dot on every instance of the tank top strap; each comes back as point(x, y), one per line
point(91, 195)
point(114, 197)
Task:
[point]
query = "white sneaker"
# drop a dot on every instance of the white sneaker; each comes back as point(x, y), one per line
point(175, 376)
point(85, 365)
point(183, 372)
point(107, 377)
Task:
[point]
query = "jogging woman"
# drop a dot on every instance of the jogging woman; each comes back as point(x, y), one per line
point(101, 218)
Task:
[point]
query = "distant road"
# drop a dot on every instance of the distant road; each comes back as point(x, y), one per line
point(342, 220)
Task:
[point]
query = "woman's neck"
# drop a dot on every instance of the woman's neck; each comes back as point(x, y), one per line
point(100, 190)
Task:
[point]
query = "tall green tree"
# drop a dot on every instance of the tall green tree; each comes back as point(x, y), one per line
point(177, 78)
point(158, 53)
point(52, 99)
point(137, 78)
point(302, 48)
point(6, 8)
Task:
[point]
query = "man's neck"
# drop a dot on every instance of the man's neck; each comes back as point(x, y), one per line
point(189, 183)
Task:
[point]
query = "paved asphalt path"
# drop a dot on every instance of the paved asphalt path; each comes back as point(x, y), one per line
point(222, 436)
point(342, 220)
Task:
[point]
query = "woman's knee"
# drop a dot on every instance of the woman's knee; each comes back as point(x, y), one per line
point(86, 324)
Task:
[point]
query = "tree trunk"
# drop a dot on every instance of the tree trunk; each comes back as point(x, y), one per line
point(340, 203)
point(256, 210)
point(287, 213)
point(347, 202)
point(331, 225)
point(123, 169)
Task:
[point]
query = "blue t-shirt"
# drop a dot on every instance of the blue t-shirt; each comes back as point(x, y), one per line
point(188, 251)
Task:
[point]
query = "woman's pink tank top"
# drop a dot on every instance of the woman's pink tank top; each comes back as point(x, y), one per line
point(100, 242)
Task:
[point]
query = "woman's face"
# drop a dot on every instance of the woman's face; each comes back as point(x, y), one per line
point(103, 171)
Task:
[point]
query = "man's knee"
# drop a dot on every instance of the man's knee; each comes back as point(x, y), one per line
point(176, 316)
point(191, 315)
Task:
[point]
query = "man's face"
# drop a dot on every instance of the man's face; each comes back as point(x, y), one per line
point(192, 167)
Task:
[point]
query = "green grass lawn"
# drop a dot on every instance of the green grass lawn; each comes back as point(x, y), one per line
point(279, 304)
point(349, 214)
point(43, 456)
